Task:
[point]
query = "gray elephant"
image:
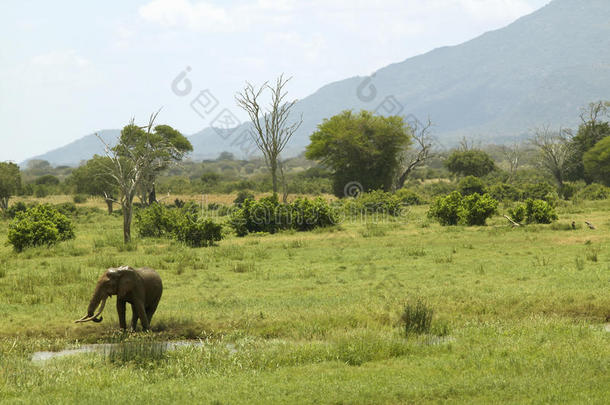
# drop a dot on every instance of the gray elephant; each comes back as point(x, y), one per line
point(142, 288)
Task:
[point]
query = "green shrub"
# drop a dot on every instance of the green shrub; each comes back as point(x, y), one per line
point(41, 191)
point(155, 221)
point(541, 191)
point(310, 214)
point(477, 208)
point(12, 211)
point(594, 192)
point(196, 232)
point(505, 192)
point(182, 224)
point(374, 202)
point(270, 216)
point(37, 226)
point(409, 197)
point(517, 213)
point(79, 199)
point(67, 208)
point(539, 212)
point(447, 210)
point(471, 185)
point(242, 196)
point(470, 210)
point(439, 188)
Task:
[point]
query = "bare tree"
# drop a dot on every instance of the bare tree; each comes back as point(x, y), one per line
point(417, 157)
point(513, 154)
point(591, 115)
point(554, 150)
point(271, 125)
point(140, 151)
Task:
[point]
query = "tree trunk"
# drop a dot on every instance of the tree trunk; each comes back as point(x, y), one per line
point(127, 211)
point(4, 203)
point(109, 203)
point(152, 197)
point(273, 168)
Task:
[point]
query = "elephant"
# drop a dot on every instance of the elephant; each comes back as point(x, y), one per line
point(142, 288)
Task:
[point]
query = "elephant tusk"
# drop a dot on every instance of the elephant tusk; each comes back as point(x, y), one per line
point(94, 317)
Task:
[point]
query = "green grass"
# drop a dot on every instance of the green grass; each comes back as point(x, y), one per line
point(319, 317)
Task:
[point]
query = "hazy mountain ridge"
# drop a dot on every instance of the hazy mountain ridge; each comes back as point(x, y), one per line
point(539, 70)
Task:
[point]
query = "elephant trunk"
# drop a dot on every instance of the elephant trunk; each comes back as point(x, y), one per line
point(97, 297)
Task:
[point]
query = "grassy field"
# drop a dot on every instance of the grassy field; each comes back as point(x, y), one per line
point(520, 315)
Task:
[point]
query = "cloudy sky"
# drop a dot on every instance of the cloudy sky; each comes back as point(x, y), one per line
point(69, 68)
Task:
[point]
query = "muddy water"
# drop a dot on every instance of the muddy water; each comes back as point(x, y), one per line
point(107, 347)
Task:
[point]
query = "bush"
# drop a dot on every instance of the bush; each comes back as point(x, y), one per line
point(409, 197)
point(594, 192)
point(374, 202)
point(12, 211)
point(439, 188)
point(447, 210)
point(471, 185)
point(539, 212)
point(517, 213)
point(477, 208)
point(242, 196)
point(197, 232)
point(540, 191)
point(37, 226)
point(41, 191)
point(182, 224)
point(269, 215)
point(79, 199)
point(470, 210)
point(155, 221)
point(505, 192)
point(310, 214)
point(67, 208)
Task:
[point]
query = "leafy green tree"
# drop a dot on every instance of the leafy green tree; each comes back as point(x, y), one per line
point(361, 148)
point(139, 155)
point(10, 182)
point(470, 185)
point(597, 162)
point(472, 162)
point(592, 130)
point(175, 146)
point(93, 178)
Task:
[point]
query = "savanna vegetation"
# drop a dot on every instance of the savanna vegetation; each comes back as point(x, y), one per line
point(474, 275)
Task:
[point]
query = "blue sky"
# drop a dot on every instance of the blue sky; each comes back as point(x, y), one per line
point(69, 68)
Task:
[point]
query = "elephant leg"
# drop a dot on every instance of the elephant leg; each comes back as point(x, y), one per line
point(134, 319)
point(150, 311)
point(139, 307)
point(120, 307)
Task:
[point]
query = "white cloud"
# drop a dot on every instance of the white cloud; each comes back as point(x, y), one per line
point(185, 14)
point(64, 58)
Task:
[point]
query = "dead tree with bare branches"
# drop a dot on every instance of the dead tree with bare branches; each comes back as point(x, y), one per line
point(272, 128)
point(417, 157)
point(554, 150)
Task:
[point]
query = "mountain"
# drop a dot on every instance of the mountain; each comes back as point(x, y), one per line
point(82, 149)
point(539, 70)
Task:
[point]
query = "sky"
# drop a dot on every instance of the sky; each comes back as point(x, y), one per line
point(70, 68)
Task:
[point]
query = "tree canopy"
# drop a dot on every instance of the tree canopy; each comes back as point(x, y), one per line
point(597, 161)
point(10, 182)
point(360, 147)
point(472, 162)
